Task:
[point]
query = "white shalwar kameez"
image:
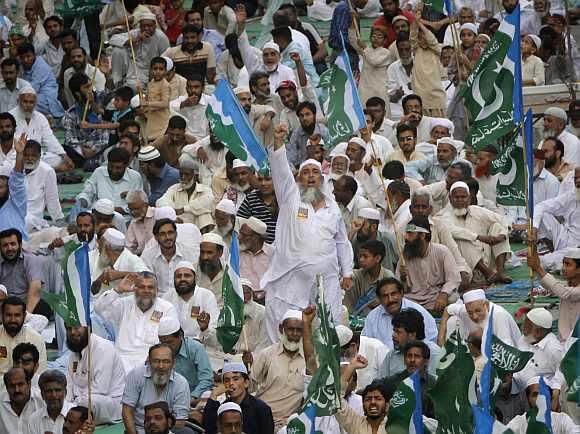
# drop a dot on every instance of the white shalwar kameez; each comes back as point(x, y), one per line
point(308, 243)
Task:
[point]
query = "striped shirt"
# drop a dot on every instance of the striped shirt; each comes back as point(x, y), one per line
point(254, 206)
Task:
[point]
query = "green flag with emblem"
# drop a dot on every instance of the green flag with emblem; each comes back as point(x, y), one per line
point(509, 165)
point(570, 367)
point(507, 359)
point(79, 8)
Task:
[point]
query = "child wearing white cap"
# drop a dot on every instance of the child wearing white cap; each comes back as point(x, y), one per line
point(533, 69)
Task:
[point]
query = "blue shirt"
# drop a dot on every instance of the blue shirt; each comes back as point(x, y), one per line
point(378, 323)
point(193, 363)
point(216, 39)
point(305, 56)
point(159, 184)
point(13, 212)
point(41, 77)
point(341, 21)
point(394, 362)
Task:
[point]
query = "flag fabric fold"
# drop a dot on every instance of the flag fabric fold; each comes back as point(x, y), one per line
point(540, 417)
point(73, 306)
point(509, 165)
point(304, 422)
point(570, 365)
point(405, 408)
point(229, 122)
point(343, 108)
point(231, 318)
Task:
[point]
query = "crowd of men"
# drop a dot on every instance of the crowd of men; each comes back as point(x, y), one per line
point(400, 222)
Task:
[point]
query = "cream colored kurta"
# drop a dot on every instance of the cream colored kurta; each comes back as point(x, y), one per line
point(202, 300)
point(569, 304)
point(533, 69)
point(157, 119)
point(197, 208)
point(8, 343)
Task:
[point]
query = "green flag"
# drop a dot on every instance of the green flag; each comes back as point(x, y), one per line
point(324, 388)
point(507, 359)
point(488, 92)
point(405, 408)
point(535, 425)
point(79, 8)
point(509, 164)
point(442, 6)
point(570, 368)
point(455, 389)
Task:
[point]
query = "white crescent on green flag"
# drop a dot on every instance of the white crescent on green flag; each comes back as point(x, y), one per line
point(73, 306)
point(231, 318)
point(344, 112)
point(489, 90)
point(570, 365)
point(303, 423)
point(229, 122)
point(405, 408)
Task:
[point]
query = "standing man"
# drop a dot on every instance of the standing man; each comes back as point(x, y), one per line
point(310, 239)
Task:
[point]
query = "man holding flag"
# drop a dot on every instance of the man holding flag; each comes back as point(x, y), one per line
point(311, 238)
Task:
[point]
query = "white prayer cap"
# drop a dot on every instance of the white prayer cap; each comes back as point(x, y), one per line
point(246, 282)
point(272, 46)
point(27, 90)
point(168, 326)
point(213, 238)
point(148, 153)
point(572, 253)
point(239, 163)
point(169, 63)
point(369, 214)
point(309, 143)
point(540, 317)
point(399, 17)
point(557, 112)
point(3, 289)
point(228, 406)
point(310, 162)
point(187, 162)
point(483, 35)
point(234, 367)
point(536, 40)
point(468, 26)
point(227, 206)
point(165, 212)
point(344, 334)
point(532, 381)
point(359, 142)
point(185, 264)
point(339, 149)
point(135, 102)
point(474, 295)
point(114, 237)
point(147, 16)
point(242, 89)
point(104, 206)
point(255, 224)
point(340, 155)
point(292, 314)
point(459, 184)
point(447, 141)
point(442, 122)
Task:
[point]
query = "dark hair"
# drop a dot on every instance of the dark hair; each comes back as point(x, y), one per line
point(411, 97)
point(464, 168)
point(417, 344)
point(53, 18)
point(255, 76)
point(282, 32)
point(12, 300)
point(159, 60)
point(9, 61)
point(9, 373)
point(380, 387)
point(306, 104)
point(472, 184)
point(411, 321)
point(394, 170)
point(6, 233)
point(124, 124)
point(26, 48)
point(160, 345)
point(25, 348)
point(119, 155)
point(176, 122)
point(33, 144)
point(405, 127)
point(281, 19)
point(350, 183)
point(402, 37)
point(80, 48)
point(83, 411)
point(162, 405)
point(6, 115)
point(196, 77)
point(191, 28)
point(375, 247)
point(86, 214)
point(125, 93)
point(422, 222)
point(389, 281)
point(401, 187)
point(231, 42)
point(76, 81)
point(68, 32)
point(190, 12)
point(374, 101)
point(490, 149)
point(51, 376)
point(132, 137)
point(558, 145)
point(163, 222)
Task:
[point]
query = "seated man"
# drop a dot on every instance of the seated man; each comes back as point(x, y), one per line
point(157, 172)
point(147, 383)
point(79, 64)
point(11, 84)
point(13, 331)
point(41, 189)
point(432, 271)
point(26, 356)
point(481, 235)
point(171, 144)
point(255, 253)
point(20, 404)
point(140, 229)
point(407, 138)
point(136, 318)
point(192, 107)
point(50, 417)
point(35, 126)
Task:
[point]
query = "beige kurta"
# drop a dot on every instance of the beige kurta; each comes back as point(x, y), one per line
point(354, 423)
point(157, 119)
point(399, 155)
point(533, 69)
point(177, 87)
point(197, 207)
point(569, 304)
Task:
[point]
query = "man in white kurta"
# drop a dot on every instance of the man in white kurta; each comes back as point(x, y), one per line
point(555, 120)
point(136, 318)
point(311, 239)
point(107, 375)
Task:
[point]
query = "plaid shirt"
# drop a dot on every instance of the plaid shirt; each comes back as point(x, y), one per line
point(77, 137)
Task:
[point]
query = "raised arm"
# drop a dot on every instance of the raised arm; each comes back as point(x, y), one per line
point(284, 183)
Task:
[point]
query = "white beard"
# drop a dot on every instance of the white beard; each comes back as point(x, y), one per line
point(31, 167)
point(290, 346)
point(243, 247)
point(271, 68)
point(241, 188)
point(249, 308)
point(550, 133)
point(188, 185)
point(529, 339)
point(310, 195)
point(224, 230)
point(335, 176)
point(460, 212)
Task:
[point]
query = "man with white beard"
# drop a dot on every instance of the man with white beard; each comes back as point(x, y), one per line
point(311, 239)
point(480, 234)
point(546, 223)
point(225, 219)
point(147, 383)
point(277, 372)
point(136, 317)
point(241, 176)
point(473, 313)
point(555, 120)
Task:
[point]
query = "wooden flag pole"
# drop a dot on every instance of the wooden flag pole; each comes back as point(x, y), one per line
point(89, 372)
point(97, 63)
point(132, 51)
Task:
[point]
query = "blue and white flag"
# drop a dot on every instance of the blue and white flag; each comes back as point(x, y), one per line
point(486, 374)
point(486, 424)
point(529, 144)
point(229, 122)
point(302, 423)
point(540, 417)
point(405, 408)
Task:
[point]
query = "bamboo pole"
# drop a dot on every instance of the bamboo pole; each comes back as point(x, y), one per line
point(529, 218)
point(132, 50)
point(97, 63)
point(89, 371)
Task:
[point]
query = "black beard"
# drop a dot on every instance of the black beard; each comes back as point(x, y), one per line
point(210, 266)
point(11, 260)
point(413, 249)
point(83, 236)
point(309, 129)
point(216, 146)
point(5, 136)
point(182, 290)
point(247, 109)
point(362, 237)
point(550, 162)
point(77, 347)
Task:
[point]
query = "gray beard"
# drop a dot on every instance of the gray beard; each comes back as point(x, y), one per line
point(311, 195)
point(550, 133)
point(160, 378)
point(460, 212)
point(335, 176)
point(224, 230)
